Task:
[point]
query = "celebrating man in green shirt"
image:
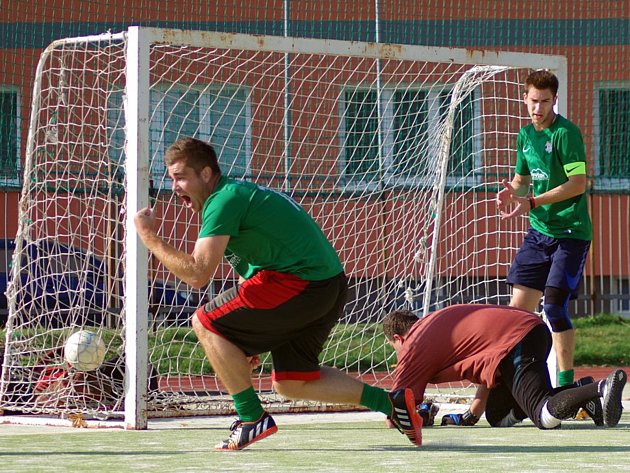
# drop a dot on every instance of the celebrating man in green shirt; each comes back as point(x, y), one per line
point(291, 293)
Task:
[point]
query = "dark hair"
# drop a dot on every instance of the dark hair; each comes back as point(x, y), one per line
point(195, 153)
point(541, 80)
point(398, 322)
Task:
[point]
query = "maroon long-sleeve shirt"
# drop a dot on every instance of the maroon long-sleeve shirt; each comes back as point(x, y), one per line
point(460, 342)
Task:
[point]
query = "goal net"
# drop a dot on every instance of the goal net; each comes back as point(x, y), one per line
point(396, 151)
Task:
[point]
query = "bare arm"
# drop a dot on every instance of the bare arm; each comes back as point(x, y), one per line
point(576, 185)
point(478, 404)
point(520, 184)
point(516, 192)
point(474, 412)
point(195, 269)
point(519, 187)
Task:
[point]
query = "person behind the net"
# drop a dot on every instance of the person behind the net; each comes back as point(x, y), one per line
point(502, 348)
point(550, 185)
point(291, 292)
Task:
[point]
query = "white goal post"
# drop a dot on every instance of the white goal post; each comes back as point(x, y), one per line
point(396, 150)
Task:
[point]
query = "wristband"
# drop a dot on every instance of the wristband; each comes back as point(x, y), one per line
point(532, 202)
point(468, 418)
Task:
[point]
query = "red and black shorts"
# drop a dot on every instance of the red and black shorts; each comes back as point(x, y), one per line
point(280, 313)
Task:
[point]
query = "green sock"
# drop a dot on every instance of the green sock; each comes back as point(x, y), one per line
point(376, 399)
point(565, 377)
point(248, 405)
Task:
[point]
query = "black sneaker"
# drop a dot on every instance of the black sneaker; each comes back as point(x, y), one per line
point(405, 416)
point(593, 408)
point(584, 381)
point(246, 433)
point(612, 389)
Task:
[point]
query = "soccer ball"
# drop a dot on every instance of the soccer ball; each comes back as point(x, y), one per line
point(84, 350)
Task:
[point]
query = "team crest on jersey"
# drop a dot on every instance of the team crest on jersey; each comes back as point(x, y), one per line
point(233, 260)
point(539, 175)
point(548, 147)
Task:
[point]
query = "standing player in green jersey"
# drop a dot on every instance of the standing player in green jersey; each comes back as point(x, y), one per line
point(549, 184)
point(291, 292)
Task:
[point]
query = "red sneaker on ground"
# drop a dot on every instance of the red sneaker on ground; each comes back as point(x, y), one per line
point(405, 416)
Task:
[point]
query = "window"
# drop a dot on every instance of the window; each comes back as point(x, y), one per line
point(411, 127)
point(620, 289)
point(612, 161)
point(9, 137)
point(462, 149)
point(219, 116)
point(412, 120)
point(361, 136)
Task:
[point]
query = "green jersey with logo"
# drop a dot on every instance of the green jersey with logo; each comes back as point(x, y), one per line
point(268, 230)
point(549, 157)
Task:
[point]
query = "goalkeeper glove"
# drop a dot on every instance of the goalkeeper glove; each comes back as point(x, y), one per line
point(428, 411)
point(465, 419)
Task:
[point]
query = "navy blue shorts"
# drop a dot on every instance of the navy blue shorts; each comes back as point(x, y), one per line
point(543, 261)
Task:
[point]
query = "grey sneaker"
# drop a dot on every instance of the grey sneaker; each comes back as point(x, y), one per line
point(612, 389)
point(510, 419)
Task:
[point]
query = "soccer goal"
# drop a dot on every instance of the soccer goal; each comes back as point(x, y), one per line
point(396, 150)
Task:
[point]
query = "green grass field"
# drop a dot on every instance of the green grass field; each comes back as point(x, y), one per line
point(356, 442)
point(318, 443)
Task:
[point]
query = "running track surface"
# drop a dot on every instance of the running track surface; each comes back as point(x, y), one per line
point(384, 380)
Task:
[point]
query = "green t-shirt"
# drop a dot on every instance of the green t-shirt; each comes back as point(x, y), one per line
point(549, 156)
point(268, 230)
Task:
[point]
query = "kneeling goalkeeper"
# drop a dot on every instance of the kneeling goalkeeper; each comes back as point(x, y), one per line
point(502, 348)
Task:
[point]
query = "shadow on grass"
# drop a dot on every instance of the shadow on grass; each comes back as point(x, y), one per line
point(116, 453)
point(503, 449)
point(450, 448)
